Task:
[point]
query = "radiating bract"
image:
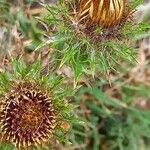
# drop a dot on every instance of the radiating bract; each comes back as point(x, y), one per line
point(105, 13)
point(27, 116)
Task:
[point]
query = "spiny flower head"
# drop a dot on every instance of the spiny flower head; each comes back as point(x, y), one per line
point(105, 13)
point(27, 115)
point(30, 114)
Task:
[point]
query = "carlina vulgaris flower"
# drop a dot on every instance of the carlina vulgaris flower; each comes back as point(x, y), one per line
point(104, 13)
point(27, 116)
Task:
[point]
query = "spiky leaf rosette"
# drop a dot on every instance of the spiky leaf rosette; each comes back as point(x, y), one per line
point(87, 40)
point(32, 108)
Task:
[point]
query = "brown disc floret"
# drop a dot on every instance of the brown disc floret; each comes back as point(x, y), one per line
point(27, 116)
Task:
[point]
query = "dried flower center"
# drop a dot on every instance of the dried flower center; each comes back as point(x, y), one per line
point(31, 117)
point(27, 117)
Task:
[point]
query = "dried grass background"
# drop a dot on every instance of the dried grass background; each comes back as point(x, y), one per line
point(13, 45)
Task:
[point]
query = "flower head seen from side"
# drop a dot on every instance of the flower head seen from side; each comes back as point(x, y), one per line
point(28, 115)
point(109, 16)
point(105, 13)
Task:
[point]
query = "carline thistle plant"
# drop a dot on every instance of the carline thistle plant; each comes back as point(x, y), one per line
point(33, 109)
point(92, 36)
point(107, 15)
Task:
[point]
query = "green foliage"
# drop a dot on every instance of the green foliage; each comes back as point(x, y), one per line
point(27, 26)
point(138, 30)
point(85, 54)
point(6, 147)
point(108, 122)
point(114, 124)
point(136, 3)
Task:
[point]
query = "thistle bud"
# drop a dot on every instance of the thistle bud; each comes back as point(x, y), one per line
point(105, 13)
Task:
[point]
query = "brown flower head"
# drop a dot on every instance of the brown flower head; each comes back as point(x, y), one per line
point(105, 13)
point(101, 19)
point(27, 116)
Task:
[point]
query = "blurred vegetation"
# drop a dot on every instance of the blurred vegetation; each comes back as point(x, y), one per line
point(15, 13)
point(115, 116)
point(113, 122)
